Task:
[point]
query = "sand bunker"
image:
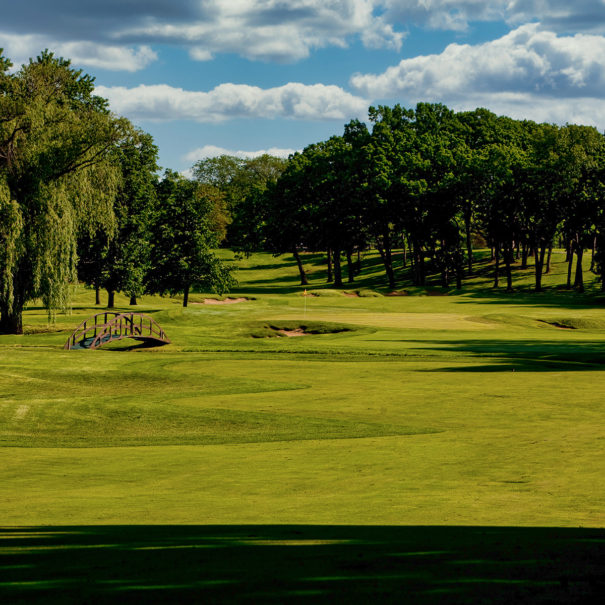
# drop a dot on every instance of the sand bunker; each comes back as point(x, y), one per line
point(225, 301)
point(293, 333)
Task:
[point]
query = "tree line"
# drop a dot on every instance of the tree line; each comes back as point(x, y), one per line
point(426, 182)
point(80, 197)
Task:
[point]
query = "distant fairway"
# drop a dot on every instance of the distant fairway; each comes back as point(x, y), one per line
point(468, 409)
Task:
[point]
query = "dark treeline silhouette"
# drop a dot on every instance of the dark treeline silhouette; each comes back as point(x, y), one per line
point(428, 182)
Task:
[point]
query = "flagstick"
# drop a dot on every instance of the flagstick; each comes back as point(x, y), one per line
point(305, 296)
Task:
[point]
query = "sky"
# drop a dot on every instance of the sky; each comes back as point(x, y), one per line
point(246, 77)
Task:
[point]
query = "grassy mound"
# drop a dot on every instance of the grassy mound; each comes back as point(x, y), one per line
point(279, 329)
point(577, 323)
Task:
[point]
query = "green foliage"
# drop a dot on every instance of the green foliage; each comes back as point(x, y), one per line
point(56, 178)
point(238, 183)
point(118, 256)
point(183, 238)
point(432, 181)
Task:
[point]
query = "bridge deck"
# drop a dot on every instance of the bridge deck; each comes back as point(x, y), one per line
point(109, 326)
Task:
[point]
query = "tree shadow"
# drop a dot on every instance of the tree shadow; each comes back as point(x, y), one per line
point(523, 355)
point(301, 564)
point(551, 297)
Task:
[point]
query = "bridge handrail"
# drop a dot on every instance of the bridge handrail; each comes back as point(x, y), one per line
point(121, 322)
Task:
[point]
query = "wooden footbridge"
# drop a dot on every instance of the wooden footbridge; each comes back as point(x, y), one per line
point(110, 326)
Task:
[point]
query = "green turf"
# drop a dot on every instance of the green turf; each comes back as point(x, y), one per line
point(436, 408)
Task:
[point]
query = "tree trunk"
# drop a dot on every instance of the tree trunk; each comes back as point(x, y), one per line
point(420, 277)
point(547, 270)
point(579, 279)
point(412, 262)
point(387, 260)
point(569, 260)
point(350, 267)
point(301, 270)
point(11, 322)
point(111, 295)
point(540, 253)
point(186, 295)
point(330, 272)
point(469, 243)
point(497, 266)
point(337, 269)
point(445, 281)
point(592, 258)
point(459, 277)
point(133, 299)
point(508, 258)
point(524, 251)
point(97, 294)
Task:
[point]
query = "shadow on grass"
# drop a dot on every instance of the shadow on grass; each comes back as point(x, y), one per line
point(523, 355)
point(296, 564)
point(551, 297)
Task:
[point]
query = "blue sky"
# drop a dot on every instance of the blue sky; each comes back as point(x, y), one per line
point(245, 76)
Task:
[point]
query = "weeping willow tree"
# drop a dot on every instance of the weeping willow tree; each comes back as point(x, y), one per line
point(56, 179)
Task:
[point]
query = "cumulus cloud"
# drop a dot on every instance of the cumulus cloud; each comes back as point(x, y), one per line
point(269, 30)
point(212, 151)
point(560, 15)
point(272, 30)
point(589, 111)
point(90, 54)
point(529, 73)
point(563, 16)
point(227, 101)
point(525, 60)
point(453, 15)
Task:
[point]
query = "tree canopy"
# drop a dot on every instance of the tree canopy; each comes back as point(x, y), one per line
point(183, 240)
point(57, 178)
point(428, 181)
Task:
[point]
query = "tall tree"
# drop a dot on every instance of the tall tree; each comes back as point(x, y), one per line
point(120, 259)
point(236, 180)
point(183, 241)
point(56, 178)
point(287, 212)
point(388, 165)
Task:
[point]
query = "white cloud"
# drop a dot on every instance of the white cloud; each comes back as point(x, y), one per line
point(91, 54)
point(525, 60)
point(527, 74)
point(453, 15)
point(212, 151)
point(269, 30)
point(227, 101)
point(566, 16)
point(560, 15)
point(589, 111)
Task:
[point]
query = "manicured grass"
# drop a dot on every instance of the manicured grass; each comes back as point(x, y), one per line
point(466, 409)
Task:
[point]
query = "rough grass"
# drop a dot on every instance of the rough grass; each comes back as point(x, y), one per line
point(472, 409)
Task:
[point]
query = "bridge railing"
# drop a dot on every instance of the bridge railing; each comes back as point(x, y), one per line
point(110, 325)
